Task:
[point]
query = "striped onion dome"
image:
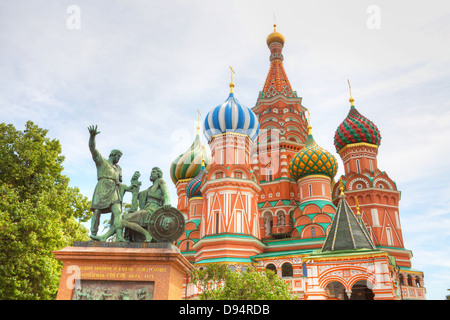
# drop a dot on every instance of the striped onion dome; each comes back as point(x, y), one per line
point(356, 129)
point(194, 185)
point(231, 116)
point(188, 164)
point(312, 159)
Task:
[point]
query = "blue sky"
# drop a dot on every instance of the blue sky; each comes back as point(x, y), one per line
point(140, 69)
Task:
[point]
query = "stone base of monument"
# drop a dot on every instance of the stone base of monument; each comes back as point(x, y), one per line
point(121, 271)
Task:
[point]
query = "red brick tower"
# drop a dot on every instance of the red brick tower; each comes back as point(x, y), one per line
point(357, 140)
point(283, 132)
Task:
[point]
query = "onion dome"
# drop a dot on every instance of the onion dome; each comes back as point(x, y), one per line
point(356, 129)
point(194, 185)
point(312, 159)
point(188, 164)
point(275, 36)
point(231, 116)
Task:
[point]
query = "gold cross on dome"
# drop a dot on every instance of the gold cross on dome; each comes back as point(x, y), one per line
point(350, 89)
point(232, 83)
point(232, 73)
point(199, 115)
point(198, 121)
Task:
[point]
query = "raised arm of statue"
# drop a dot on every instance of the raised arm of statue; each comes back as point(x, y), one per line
point(93, 132)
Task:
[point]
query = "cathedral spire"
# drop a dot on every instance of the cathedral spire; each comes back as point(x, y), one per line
point(277, 81)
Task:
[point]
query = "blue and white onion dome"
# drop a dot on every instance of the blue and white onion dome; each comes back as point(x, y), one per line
point(231, 116)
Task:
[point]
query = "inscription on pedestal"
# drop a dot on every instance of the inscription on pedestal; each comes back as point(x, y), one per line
point(139, 273)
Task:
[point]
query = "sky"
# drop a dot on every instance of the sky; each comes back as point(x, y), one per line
point(141, 69)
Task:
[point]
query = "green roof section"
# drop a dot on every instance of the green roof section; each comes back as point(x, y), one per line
point(319, 203)
point(347, 232)
point(196, 221)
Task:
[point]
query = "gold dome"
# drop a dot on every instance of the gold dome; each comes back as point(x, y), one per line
point(275, 36)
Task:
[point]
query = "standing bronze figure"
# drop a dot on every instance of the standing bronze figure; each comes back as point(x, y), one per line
point(108, 193)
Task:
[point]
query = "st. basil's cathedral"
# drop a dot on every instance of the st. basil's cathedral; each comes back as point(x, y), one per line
point(267, 196)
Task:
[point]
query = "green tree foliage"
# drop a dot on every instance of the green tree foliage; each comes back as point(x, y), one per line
point(218, 282)
point(39, 213)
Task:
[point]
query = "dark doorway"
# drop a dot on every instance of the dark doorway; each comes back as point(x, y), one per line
point(361, 291)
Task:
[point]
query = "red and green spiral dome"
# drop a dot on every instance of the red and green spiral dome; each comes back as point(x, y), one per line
point(356, 129)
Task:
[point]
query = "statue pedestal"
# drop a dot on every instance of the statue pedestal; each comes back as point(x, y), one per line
point(121, 271)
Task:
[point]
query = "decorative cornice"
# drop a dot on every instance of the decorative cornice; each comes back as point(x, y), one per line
point(359, 144)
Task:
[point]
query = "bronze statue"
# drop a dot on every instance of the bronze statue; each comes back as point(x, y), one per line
point(156, 220)
point(108, 193)
point(150, 200)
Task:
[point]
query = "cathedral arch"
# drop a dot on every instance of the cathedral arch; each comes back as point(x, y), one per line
point(272, 267)
point(311, 208)
point(357, 183)
point(281, 217)
point(410, 281)
point(361, 290)
point(393, 201)
point(268, 222)
point(417, 281)
point(302, 221)
point(218, 168)
point(296, 213)
point(195, 235)
point(382, 183)
point(326, 279)
point(335, 290)
point(328, 209)
point(312, 231)
point(269, 119)
point(186, 245)
point(322, 218)
point(292, 128)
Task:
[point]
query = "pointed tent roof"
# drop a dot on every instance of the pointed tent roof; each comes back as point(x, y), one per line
point(347, 232)
point(277, 81)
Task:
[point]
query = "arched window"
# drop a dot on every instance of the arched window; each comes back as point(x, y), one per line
point(271, 267)
point(280, 218)
point(268, 222)
point(401, 279)
point(313, 232)
point(287, 270)
point(269, 174)
point(217, 221)
point(417, 282)
point(410, 282)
